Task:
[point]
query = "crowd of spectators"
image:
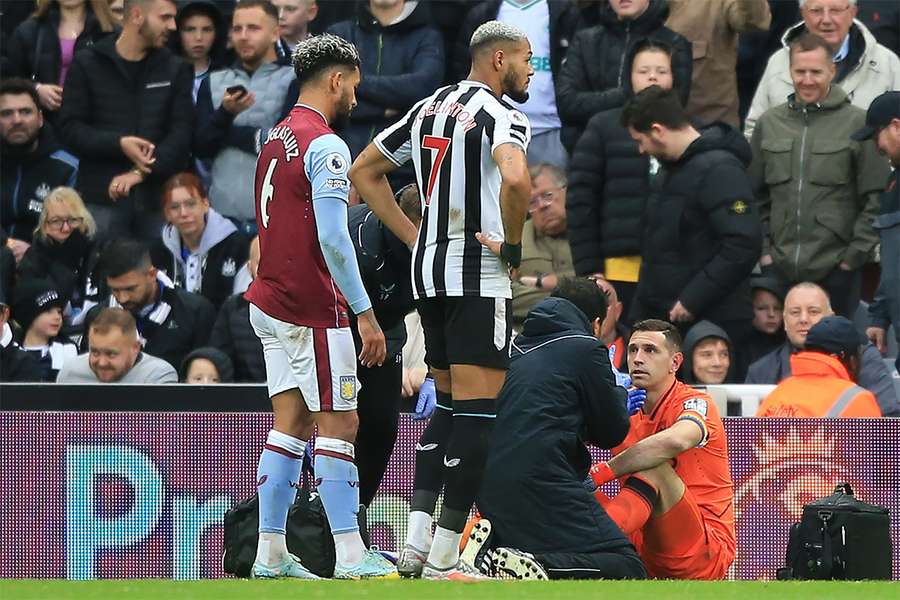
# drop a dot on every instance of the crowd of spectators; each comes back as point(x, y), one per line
point(130, 130)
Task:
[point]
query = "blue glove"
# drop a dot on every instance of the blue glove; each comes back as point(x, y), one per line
point(427, 400)
point(622, 379)
point(636, 399)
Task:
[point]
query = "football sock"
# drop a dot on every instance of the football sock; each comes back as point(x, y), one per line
point(445, 549)
point(429, 475)
point(277, 477)
point(430, 453)
point(464, 460)
point(338, 487)
point(418, 533)
point(633, 506)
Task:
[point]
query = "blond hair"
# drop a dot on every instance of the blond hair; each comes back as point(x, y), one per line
point(100, 8)
point(69, 197)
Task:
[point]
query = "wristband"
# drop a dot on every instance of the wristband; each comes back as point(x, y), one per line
point(511, 254)
point(601, 473)
point(539, 284)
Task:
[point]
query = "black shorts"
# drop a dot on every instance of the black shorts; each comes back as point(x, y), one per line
point(466, 330)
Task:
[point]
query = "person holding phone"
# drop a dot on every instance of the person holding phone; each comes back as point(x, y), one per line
point(237, 106)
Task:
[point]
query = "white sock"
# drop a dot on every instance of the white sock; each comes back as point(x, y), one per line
point(418, 532)
point(271, 550)
point(445, 549)
point(349, 548)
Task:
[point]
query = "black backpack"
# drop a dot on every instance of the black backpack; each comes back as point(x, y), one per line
point(839, 537)
point(308, 534)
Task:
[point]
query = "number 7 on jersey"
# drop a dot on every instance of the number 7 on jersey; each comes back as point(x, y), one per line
point(440, 145)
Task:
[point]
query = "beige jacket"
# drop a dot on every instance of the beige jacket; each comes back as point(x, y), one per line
point(877, 71)
point(712, 27)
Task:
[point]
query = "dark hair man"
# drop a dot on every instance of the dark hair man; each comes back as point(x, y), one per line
point(681, 517)
point(468, 148)
point(33, 164)
point(171, 322)
point(128, 115)
point(559, 394)
point(384, 264)
point(307, 282)
point(702, 235)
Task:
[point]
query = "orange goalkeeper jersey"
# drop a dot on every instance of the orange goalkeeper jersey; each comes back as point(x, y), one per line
point(703, 469)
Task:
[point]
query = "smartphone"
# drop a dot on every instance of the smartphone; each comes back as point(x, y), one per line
point(236, 89)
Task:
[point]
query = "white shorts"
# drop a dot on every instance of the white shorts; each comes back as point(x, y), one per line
point(320, 362)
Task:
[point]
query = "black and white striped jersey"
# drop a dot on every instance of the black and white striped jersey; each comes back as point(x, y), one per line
point(450, 137)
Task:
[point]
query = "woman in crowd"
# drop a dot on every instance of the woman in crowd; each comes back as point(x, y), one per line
point(200, 250)
point(206, 366)
point(42, 47)
point(64, 250)
point(38, 310)
point(610, 181)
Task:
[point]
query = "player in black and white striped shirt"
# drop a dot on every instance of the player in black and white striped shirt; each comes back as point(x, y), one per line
point(468, 148)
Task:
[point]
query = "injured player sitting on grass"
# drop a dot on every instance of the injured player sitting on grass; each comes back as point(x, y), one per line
point(676, 501)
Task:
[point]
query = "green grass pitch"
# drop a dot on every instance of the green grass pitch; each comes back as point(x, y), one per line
point(158, 589)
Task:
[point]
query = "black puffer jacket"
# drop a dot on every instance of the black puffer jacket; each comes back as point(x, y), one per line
point(69, 265)
point(233, 335)
point(593, 76)
point(34, 50)
point(609, 183)
point(102, 103)
point(703, 234)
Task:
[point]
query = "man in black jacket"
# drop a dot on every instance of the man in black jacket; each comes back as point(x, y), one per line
point(33, 163)
point(702, 235)
point(384, 263)
point(128, 114)
point(550, 26)
point(593, 76)
point(171, 322)
point(559, 394)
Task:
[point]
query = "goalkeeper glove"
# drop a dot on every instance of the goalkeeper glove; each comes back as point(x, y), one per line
point(601, 473)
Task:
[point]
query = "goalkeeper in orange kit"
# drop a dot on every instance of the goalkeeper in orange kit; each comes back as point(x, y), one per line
point(676, 500)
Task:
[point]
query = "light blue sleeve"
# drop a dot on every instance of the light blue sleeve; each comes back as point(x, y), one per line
point(326, 163)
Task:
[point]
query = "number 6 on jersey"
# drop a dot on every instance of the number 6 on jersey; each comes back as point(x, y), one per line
point(268, 190)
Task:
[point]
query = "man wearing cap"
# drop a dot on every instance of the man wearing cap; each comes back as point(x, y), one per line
point(804, 306)
point(824, 374)
point(817, 190)
point(883, 124)
point(16, 365)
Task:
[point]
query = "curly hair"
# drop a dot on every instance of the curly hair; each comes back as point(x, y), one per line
point(311, 57)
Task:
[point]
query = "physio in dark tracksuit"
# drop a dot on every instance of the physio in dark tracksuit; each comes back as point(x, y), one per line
point(560, 393)
point(384, 262)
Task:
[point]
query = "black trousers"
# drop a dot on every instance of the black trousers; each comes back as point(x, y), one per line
point(379, 411)
point(624, 563)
